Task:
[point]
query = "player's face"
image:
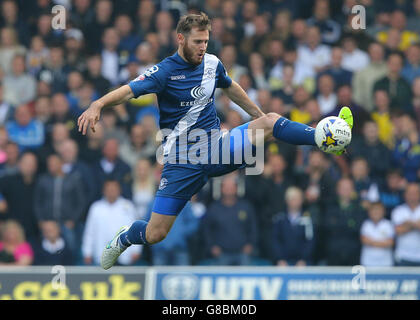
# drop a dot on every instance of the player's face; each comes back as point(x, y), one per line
point(194, 45)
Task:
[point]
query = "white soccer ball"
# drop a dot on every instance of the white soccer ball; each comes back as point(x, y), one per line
point(332, 134)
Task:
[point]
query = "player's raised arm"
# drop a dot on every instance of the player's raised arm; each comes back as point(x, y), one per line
point(239, 96)
point(92, 114)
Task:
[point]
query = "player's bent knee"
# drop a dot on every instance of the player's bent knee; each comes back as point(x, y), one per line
point(270, 119)
point(156, 235)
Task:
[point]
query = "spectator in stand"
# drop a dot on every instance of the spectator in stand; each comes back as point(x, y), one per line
point(14, 250)
point(298, 111)
point(330, 29)
point(415, 101)
point(246, 83)
point(248, 13)
point(174, 250)
point(343, 220)
point(60, 113)
point(92, 152)
point(398, 88)
point(104, 218)
point(25, 131)
point(406, 219)
point(59, 134)
point(398, 22)
point(113, 129)
point(10, 166)
point(80, 93)
point(18, 186)
point(285, 88)
point(282, 27)
point(52, 249)
point(293, 234)
point(360, 115)
point(6, 110)
point(37, 56)
point(377, 237)
point(317, 184)
point(144, 187)
point(382, 116)
point(4, 140)
point(406, 152)
point(411, 69)
point(230, 213)
point(340, 75)
point(327, 99)
point(19, 86)
point(112, 166)
point(9, 48)
point(55, 70)
point(369, 147)
point(69, 152)
point(413, 21)
point(60, 197)
point(259, 39)
point(102, 19)
point(366, 188)
point(164, 25)
point(43, 109)
point(228, 55)
point(269, 199)
point(392, 191)
point(279, 180)
point(299, 30)
point(354, 59)
point(229, 11)
point(81, 13)
point(12, 17)
point(74, 46)
point(45, 30)
point(314, 55)
point(146, 13)
point(302, 75)
point(128, 40)
point(93, 74)
point(110, 55)
point(257, 68)
point(364, 79)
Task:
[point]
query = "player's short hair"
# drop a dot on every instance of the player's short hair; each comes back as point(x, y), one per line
point(189, 21)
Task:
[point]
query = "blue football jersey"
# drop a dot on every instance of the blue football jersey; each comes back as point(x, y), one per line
point(185, 93)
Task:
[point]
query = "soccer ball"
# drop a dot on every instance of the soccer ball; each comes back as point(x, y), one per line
point(332, 134)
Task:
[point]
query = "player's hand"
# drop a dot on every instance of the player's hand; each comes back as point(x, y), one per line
point(89, 118)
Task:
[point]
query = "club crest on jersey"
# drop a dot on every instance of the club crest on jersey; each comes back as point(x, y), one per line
point(147, 73)
point(210, 73)
point(198, 92)
point(163, 183)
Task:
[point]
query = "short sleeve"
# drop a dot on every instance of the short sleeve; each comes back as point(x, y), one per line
point(398, 216)
point(390, 231)
point(153, 80)
point(24, 249)
point(223, 79)
point(364, 231)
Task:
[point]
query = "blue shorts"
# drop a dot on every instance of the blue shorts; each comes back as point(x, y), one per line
point(179, 182)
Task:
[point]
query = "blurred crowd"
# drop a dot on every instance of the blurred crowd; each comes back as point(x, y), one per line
point(64, 195)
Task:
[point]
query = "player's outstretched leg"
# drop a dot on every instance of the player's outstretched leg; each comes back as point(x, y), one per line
point(140, 232)
point(113, 250)
point(290, 131)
